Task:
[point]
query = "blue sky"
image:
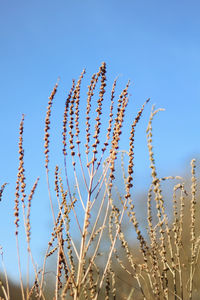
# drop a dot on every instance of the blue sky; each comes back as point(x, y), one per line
point(155, 44)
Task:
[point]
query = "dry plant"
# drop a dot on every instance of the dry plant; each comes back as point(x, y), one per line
point(91, 264)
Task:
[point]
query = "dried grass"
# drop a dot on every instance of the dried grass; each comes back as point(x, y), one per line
point(104, 258)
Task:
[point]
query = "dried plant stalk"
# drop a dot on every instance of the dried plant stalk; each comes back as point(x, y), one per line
point(90, 239)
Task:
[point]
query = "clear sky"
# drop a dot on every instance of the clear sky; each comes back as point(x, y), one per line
point(155, 44)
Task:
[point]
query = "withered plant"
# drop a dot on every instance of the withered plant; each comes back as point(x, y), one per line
point(101, 261)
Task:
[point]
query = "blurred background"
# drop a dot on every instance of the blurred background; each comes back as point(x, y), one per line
point(155, 44)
